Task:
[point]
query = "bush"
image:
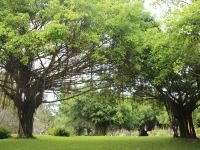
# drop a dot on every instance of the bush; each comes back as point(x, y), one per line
point(58, 132)
point(4, 133)
point(50, 131)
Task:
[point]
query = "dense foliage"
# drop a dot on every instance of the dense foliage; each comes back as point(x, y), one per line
point(100, 113)
point(4, 133)
point(49, 44)
point(111, 59)
point(172, 67)
point(58, 132)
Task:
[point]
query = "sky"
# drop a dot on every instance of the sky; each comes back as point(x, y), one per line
point(156, 11)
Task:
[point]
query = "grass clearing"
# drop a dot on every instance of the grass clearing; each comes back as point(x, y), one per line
point(99, 143)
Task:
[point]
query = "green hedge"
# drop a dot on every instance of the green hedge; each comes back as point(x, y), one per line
point(4, 133)
point(58, 132)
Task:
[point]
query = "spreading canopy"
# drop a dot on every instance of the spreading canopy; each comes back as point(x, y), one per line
point(51, 44)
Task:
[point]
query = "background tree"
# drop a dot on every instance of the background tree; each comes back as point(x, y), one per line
point(95, 109)
point(47, 45)
point(196, 116)
point(146, 118)
point(103, 112)
point(169, 69)
point(70, 115)
point(40, 47)
point(44, 118)
point(8, 118)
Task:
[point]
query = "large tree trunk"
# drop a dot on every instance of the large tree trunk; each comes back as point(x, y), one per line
point(181, 117)
point(101, 130)
point(186, 126)
point(174, 126)
point(79, 130)
point(142, 131)
point(26, 107)
point(25, 115)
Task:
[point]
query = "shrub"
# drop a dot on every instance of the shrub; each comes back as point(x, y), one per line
point(4, 133)
point(50, 131)
point(58, 132)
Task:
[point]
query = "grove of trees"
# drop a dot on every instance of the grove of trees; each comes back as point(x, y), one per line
point(102, 56)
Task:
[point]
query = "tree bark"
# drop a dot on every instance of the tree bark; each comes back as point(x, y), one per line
point(79, 130)
point(101, 130)
point(186, 126)
point(192, 130)
point(181, 117)
point(142, 131)
point(174, 126)
point(25, 116)
point(26, 107)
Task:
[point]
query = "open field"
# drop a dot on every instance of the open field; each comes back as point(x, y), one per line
point(99, 143)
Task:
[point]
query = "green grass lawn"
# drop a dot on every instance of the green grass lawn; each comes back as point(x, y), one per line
point(99, 143)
